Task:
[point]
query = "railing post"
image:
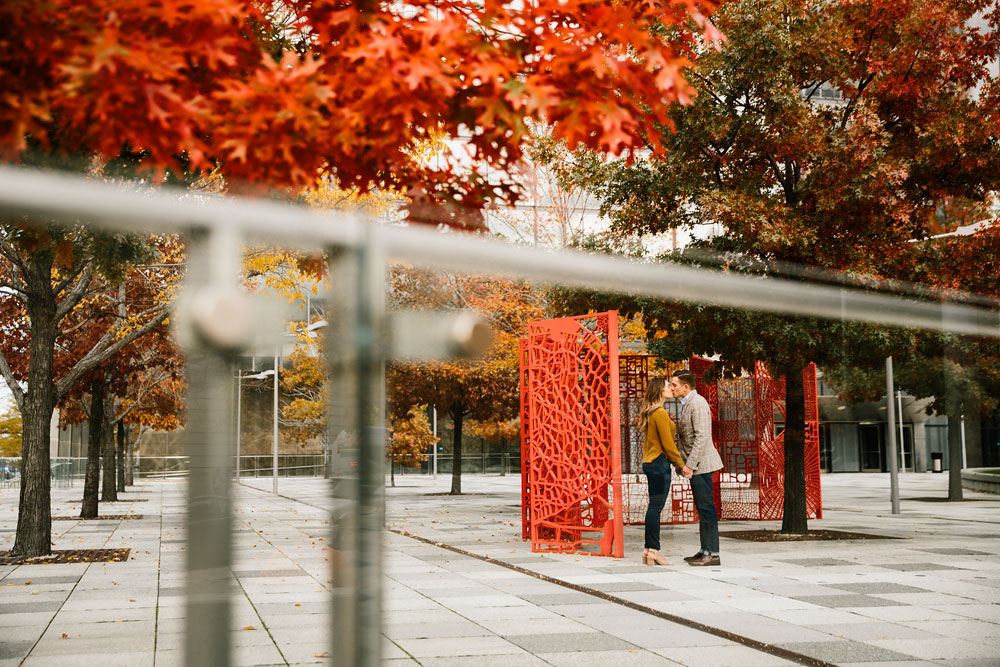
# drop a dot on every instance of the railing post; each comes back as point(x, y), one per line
point(355, 353)
point(212, 261)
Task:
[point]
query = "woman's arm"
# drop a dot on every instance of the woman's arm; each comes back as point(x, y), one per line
point(665, 432)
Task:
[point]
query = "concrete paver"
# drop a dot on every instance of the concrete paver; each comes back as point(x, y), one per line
point(928, 597)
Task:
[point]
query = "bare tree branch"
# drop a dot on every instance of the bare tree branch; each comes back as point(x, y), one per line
point(64, 283)
point(7, 250)
point(709, 88)
point(85, 409)
point(104, 349)
point(83, 322)
point(854, 100)
point(15, 388)
point(778, 174)
point(75, 294)
point(159, 379)
point(18, 293)
point(814, 90)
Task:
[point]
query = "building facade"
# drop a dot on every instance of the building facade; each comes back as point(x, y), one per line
point(855, 437)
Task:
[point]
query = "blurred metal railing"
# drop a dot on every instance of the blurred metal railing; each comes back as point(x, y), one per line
point(486, 464)
point(218, 324)
point(68, 471)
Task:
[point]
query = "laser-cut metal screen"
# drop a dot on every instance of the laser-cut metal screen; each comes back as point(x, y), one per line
point(771, 502)
point(571, 437)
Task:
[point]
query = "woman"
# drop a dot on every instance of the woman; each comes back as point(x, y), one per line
point(658, 453)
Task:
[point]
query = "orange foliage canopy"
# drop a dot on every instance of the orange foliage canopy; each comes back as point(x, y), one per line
point(275, 91)
point(411, 438)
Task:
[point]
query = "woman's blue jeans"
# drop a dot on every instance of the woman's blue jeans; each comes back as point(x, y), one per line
point(658, 477)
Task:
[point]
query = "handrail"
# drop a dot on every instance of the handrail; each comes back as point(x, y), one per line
point(123, 208)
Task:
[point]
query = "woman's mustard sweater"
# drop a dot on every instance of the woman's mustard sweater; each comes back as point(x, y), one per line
point(660, 439)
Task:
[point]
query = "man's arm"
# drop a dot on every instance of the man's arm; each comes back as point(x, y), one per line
point(701, 427)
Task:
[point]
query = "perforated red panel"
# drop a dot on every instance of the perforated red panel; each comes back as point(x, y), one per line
point(752, 483)
point(571, 448)
point(771, 468)
point(739, 492)
point(525, 421)
point(634, 375)
point(814, 491)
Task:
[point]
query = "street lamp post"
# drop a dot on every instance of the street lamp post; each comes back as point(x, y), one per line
point(239, 415)
point(274, 439)
point(893, 462)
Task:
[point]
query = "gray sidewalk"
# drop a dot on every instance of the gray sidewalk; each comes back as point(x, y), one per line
point(927, 598)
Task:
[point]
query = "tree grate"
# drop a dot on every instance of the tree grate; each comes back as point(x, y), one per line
point(59, 556)
point(120, 500)
point(775, 536)
point(100, 517)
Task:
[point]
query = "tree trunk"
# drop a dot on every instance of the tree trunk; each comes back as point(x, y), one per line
point(974, 439)
point(109, 488)
point(120, 453)
point(955, 455)
point(135, 450)
point(92, 476)
point(456, 462)
point(129, 461)
point(795, 517)
point(34, 517)
point(34, 514)
point(392, 472)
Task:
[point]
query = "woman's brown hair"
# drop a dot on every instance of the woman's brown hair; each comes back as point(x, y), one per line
point(650, 402)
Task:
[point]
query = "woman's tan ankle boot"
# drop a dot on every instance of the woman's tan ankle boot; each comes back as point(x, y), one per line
point(654, 557)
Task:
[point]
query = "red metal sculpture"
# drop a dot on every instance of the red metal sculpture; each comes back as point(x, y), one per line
point(570, 436)
point(581, 453)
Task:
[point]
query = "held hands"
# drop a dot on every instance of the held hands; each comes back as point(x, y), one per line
point(687, 472)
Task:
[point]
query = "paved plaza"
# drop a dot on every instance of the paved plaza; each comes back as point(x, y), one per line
point(930, 596)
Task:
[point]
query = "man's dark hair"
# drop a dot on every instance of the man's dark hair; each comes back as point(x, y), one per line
point(687, 377)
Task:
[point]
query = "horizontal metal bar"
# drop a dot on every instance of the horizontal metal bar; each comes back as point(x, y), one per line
point(73, 198)
point(682, 283)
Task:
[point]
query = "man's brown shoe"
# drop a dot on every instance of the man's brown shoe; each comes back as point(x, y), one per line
point(705, 560)
point(688, 559)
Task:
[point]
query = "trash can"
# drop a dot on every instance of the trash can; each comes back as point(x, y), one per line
point(937, 462)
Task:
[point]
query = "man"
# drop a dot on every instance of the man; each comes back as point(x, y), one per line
point(694, 440)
